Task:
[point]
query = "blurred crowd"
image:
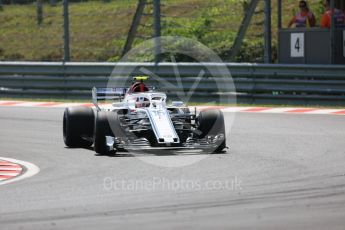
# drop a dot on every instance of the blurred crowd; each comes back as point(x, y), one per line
point(305, 17)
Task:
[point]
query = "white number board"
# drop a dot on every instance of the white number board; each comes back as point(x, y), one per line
point(344, 43)
point(297, 45)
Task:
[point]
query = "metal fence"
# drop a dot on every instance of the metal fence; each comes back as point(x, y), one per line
point(97, 30)
point(255, 83)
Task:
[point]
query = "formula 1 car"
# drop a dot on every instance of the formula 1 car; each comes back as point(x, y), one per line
point(141, 120)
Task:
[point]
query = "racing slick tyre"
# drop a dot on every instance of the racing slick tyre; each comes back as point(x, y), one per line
point(77, 125)
point(103, 129)
point(211, 122)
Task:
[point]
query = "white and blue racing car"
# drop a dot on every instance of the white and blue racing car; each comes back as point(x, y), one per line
point(142, 120)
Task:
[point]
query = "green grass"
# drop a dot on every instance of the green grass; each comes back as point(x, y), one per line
point(98, 30)
point(94, 27)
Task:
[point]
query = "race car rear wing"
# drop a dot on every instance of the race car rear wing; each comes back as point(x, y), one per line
point(103, 94)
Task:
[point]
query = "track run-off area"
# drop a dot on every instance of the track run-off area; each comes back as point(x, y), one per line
point(282, 171)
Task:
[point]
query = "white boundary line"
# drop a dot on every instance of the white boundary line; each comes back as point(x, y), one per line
point(31, 170)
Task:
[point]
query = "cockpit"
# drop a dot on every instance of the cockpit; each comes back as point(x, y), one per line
point(142, 102)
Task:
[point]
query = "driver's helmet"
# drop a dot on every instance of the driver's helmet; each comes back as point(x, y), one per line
point(138, 85)
point(141, 102)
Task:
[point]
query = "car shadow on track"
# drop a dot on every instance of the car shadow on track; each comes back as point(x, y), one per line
point(125, 153)
point(160, 154)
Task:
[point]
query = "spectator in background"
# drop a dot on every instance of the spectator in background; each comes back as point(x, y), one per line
point(337, 15)
point(304, 17)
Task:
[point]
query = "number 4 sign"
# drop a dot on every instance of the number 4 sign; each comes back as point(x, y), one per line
point(297, 45)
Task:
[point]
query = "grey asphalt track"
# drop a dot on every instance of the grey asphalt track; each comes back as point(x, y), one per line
point(289, 172)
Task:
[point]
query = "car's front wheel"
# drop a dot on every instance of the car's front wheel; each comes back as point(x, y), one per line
point(211, 122)
point(103, 129)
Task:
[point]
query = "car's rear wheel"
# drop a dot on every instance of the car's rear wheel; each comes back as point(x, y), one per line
point(211, 122)
point(78, 126)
